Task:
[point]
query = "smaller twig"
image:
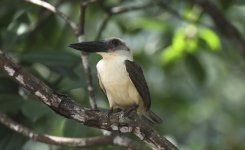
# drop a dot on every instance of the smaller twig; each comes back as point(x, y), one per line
point(65, 141)
point(42, 18)
point(123, 9)
point(84, 57)
point(55, 140)
point(223, 25)
point(116, 11)
point(44, 15)
point(165, 6)
point(102, 26)
point(86, 2)
point(51, 8)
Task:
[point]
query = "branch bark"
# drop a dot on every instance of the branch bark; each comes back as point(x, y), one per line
point(65, 141)
point(65, 106)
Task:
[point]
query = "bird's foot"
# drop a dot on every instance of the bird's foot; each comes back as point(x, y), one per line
point(130, 109)
point(61, 94)
point(109, 112)
point(118, 110)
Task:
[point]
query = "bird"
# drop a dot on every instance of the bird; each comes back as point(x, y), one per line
point(120, 78)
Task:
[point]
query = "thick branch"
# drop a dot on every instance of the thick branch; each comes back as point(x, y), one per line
point(64, 141)
point(68, 108)
point(55, 140)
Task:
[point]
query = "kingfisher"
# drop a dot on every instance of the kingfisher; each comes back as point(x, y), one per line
point(120, 78)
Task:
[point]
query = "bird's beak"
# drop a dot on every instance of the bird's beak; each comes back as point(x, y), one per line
point(90, 47)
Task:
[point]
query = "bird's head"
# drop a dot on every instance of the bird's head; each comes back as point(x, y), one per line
point(110, 46)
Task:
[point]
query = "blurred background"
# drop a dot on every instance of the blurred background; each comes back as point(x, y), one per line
point(194, 72)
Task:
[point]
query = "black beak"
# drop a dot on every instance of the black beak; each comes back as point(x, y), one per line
point(90, 47)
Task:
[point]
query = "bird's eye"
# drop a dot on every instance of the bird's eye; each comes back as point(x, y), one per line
point(115, 42)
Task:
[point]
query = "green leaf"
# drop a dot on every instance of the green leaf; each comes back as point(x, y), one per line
point(196, 68)
point(174, 51)
point(59, 62)
point(10, 140)
point(10, 103)
point(240, 2)
point(211, 39)
point(192, 13)
point(148, 23)
point(34, 110)
point(7, 85)
point(227, 4)
point(169, 54)
point(178, 42)
point(191, 45)
point(74, 129)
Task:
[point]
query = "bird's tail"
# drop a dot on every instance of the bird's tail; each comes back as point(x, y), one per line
point(152, 117)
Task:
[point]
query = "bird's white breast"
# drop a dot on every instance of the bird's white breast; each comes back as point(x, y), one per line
point(119, 88)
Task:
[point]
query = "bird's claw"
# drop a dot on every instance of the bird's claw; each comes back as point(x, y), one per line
point(130, 109)
point(109, 112)
point(61, 94)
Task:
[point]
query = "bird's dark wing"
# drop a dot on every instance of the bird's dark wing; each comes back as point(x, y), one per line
point(101, 84)
point(137, 77)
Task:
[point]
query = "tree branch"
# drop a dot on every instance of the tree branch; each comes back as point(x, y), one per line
point(65, 141)
point(65, 106)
